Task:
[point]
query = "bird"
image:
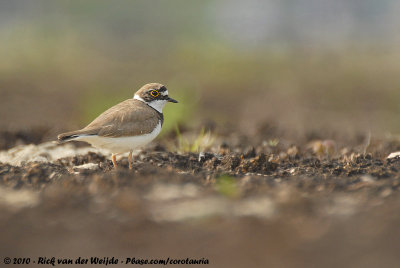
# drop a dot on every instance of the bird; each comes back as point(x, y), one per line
point(128, 125)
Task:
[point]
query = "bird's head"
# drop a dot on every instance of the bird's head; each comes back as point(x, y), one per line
point(154, 95)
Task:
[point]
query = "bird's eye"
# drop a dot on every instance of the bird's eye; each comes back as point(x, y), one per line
point(154, 93)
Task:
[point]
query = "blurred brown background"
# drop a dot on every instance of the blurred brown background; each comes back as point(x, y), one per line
point(306, 64)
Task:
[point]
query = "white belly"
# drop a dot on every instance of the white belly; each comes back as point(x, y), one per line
point(122, 144)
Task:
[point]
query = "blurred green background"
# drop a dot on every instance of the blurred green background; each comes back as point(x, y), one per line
point(305, 64)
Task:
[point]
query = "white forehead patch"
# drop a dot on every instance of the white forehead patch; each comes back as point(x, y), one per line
point(137, 97)
point(165, 93)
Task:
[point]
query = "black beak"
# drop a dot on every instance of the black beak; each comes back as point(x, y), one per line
point(172, 100)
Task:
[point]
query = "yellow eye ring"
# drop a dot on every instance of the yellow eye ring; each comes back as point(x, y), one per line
point(154, 93)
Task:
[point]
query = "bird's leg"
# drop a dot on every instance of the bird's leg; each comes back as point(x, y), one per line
point(130, 160)
point(114, 160)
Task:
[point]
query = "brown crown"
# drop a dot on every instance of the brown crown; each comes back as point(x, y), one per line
point(144, 91)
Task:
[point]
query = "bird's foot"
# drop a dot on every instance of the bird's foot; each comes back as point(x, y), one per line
point(130, 160)
point(114, 160)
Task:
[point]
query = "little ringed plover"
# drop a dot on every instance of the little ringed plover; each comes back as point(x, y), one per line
point(128, 125)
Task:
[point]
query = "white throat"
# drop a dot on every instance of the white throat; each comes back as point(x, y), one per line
point(158, 105)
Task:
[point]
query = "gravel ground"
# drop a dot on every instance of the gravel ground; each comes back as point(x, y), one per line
point(310, 204)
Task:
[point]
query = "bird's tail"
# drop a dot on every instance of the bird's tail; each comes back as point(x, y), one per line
point(69, 136)
point(64, 137)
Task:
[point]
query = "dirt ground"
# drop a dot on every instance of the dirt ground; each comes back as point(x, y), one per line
point(241, 203)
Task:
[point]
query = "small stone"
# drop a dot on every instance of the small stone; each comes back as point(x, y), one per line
point(202, 156)
point(386, 192)
point(90, 166)
point(394, 155)
point(368, 178)
point(293, 151)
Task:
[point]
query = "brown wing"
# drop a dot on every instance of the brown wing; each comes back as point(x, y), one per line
point(128, 118)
